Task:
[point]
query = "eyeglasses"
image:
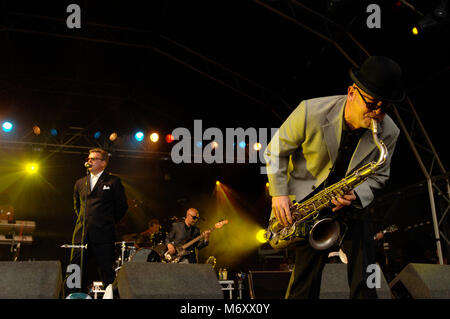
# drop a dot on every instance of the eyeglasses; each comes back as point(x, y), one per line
point(194, 217)
point(383, 105)
point(94, 158)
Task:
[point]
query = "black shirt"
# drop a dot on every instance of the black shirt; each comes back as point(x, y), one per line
point(347, 146)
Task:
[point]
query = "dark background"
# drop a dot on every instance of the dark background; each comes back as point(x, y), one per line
point(134, 65)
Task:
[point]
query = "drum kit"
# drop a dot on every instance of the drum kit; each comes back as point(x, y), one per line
point(133, 249)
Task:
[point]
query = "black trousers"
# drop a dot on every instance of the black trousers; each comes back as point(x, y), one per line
point(98, 265)
point(359, 246)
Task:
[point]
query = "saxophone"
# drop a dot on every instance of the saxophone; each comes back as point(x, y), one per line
point(322, 233)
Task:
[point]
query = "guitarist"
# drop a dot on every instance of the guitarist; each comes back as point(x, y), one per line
point(182, 232)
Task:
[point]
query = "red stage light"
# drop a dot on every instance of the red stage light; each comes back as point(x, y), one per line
point(169, 138)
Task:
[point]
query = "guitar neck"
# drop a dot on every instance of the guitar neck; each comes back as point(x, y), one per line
point(196, 239)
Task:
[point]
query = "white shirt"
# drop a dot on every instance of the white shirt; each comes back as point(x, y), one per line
point(94, 179)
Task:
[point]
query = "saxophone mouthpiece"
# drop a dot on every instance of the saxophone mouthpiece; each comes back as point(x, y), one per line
point(374, 126)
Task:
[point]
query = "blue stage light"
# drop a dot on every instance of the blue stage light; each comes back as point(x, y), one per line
point(199, 144)
point(139, 136)
point(242, 144)
point(7, 126)
point(97, 135)
point(54, 132)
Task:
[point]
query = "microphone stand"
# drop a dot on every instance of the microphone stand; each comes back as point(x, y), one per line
point(83, 227)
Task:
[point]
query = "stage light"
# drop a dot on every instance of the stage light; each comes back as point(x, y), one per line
point(7, 126)
point(260, 236)
point(154, 137)
point(53, 132)
point(199, 144)
point(415, 31)
point(267, 184)
point(139, 136)
point(214, 145)
point(113, 137)
point(97, 135)
point(433, 20)
point(217, 183)
point(32, 168)
point(36, 130)
point(170, 138)
point(257, 146)
point(242, 144)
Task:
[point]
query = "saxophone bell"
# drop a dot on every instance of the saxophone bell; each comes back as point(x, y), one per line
point(324, 233)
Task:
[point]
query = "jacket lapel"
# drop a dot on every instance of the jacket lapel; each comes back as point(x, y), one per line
point(88, 181)
point(332, 130)
point(100, 179)
point(365, 146)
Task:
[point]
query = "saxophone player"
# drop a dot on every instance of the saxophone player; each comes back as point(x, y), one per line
point(323, 140)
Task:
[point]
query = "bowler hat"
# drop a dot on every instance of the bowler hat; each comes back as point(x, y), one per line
point(380, 77)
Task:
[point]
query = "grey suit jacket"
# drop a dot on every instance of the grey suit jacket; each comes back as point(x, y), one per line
point(302, 152)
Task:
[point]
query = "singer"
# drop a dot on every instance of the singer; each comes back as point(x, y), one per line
point(99, 203)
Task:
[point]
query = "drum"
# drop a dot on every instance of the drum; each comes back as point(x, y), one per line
point(159, 238)
point(146, 255)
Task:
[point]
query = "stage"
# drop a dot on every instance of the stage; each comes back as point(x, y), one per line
point(184, 98)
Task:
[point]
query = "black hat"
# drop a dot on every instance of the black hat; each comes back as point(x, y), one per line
point(381, 78)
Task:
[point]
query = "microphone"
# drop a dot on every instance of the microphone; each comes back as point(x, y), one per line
point(87, 165)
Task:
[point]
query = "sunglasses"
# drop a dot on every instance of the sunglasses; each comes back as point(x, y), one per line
point(194, 217)
point(373, 106)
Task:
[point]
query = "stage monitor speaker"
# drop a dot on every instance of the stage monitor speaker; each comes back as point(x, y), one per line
point(147, 280)
point(268, 284)
point(334, 283)
point(30, 279)
point(422, 281)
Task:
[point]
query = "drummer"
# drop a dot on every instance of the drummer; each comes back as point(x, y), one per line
point(150, 236)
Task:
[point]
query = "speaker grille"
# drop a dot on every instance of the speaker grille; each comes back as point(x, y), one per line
point(30, 280)
point(422, 281)
point(168, 281)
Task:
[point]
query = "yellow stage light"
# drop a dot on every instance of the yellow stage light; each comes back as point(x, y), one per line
point(217, 183)
point(257, 146)
point(260, 236)
point(267, 184)
point(415, 31)
point(32, 168)
point(154, 137)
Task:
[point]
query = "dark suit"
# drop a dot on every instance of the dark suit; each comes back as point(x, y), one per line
point(106, 204)
point(181, 234)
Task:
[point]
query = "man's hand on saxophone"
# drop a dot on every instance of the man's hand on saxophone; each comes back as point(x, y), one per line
point(281, 208)
point(343, 201)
